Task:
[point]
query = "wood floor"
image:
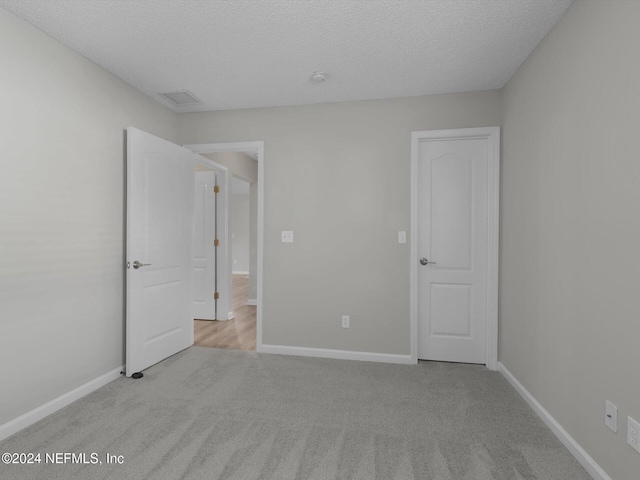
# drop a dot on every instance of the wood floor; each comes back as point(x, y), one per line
point(239, 333)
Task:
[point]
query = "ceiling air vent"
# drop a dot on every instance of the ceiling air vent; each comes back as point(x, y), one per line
point(183, 98)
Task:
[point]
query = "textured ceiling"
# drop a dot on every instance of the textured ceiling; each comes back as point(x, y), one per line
point(256, 53)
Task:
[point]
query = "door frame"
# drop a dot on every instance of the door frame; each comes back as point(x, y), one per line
point(258, 147)
point(492, 134)
point(222, 224)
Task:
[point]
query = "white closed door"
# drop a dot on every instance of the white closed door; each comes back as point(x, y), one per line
point(204, 250)
point(452, 216)
point(160, 193)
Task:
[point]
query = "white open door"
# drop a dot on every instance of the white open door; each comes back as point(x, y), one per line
point(160, 193)
point(204, 250)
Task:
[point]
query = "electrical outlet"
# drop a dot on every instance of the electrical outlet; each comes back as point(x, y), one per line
point(345, 321)
point(633, 434)
point(287, 236)
point(611, 416)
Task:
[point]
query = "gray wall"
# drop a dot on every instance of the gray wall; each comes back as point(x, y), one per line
point(61, 215)
point(570, 277)
point(338, 175)
point(239, 227)
point(238, 163)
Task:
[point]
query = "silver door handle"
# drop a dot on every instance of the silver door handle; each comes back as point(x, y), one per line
point(424, 261)
point(137, 264)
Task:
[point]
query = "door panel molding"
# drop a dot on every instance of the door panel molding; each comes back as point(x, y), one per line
point(492, 135)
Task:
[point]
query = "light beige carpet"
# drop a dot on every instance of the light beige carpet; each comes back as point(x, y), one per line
point(223, 414)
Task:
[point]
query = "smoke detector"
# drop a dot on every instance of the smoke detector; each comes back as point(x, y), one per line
point(318, 77)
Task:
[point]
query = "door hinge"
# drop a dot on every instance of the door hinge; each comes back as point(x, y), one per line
point(216, 243)
point(216, 296)
point(216, 189)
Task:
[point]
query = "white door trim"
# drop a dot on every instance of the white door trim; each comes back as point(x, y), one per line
point(258, 146)
point(492, 134)
point(222, 221)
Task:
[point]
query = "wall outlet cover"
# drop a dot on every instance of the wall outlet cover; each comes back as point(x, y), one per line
point(287, 236)
point(345, 321)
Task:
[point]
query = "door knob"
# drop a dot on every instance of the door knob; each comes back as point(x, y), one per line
point(424, 261)
point(137, 264)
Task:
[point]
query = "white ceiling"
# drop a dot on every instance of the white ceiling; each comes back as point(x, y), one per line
point(255, 53)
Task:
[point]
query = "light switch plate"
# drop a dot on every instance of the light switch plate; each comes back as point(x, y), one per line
point(402, 236)
point(611, 416)
point(287, 236)
point(633, 434)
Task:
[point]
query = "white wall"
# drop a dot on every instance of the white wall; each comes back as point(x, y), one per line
point(338, 175)
point(570, 279)
point(62, 123)
point(239, 227)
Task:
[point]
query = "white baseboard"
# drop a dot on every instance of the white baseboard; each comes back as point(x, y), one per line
point(252, 302)
point(231, 315)
point(338, 354)
point(38, 413)
point(239, 272)
point(567, 440)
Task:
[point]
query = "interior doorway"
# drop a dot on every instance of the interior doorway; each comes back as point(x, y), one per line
point(241, 192)
point(454, 245)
